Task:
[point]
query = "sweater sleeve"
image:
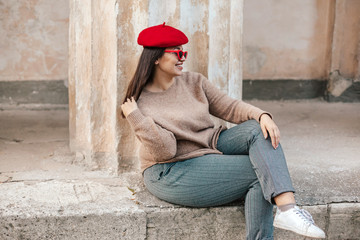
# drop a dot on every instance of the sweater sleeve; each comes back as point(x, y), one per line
point(229, 109)
point(160, 142)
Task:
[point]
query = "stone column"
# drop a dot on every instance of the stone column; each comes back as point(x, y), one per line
point(104, 54)
point(225, 46)
point(344, 82)
point(194, 21)
point(132, 18)
point(235, 55)
point(92, 83)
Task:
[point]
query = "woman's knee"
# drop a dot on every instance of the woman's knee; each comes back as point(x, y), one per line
point(253, 127)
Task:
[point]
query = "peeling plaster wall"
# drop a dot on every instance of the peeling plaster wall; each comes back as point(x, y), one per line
point(34, 40)
point(287, 39)
point(282, 39)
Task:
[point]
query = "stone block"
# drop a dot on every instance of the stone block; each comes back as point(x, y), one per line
point(121, 225)
point(344, 221)
point(196, 223)
point(73, 209)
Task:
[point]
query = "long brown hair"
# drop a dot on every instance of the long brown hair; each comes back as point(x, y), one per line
point(144, 72)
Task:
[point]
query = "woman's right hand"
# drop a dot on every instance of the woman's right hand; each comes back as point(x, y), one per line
point(129, 106)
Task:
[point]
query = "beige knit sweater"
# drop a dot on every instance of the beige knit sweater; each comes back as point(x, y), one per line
point(175, 124)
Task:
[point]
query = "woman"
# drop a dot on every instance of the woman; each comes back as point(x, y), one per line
point(186, 160)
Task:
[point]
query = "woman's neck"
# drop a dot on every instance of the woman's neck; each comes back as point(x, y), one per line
point(161, 82)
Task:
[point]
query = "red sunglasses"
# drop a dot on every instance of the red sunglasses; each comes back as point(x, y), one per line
point(180, 53)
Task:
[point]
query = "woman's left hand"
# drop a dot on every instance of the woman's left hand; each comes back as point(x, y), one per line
point(268, 126)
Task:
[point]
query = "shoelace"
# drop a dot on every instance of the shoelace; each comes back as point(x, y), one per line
point(305, 214)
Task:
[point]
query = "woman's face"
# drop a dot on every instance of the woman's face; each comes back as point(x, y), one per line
point(169, 63)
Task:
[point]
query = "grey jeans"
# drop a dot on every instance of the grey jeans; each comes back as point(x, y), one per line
point(250, 168)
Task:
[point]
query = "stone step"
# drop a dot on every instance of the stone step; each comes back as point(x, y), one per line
point(111, 208)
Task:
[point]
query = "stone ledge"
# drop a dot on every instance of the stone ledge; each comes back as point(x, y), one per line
point(33, 92)
point(33, 107)
point(69, 209)
point(339, 220)
point(110, 208)
point(283, 89)
point(130, 225)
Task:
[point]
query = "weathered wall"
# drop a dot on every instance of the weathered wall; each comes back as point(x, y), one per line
point(33, 40)
point(287, 39)
point(282, 39)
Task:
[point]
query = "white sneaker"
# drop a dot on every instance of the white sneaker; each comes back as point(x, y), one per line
point(299, 221)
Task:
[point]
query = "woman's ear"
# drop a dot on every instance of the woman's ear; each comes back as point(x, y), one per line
point(156, 62)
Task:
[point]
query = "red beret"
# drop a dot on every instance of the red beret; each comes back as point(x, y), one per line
point(161, 36)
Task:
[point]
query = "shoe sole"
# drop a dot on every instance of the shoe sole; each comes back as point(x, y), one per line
point(294, 230)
